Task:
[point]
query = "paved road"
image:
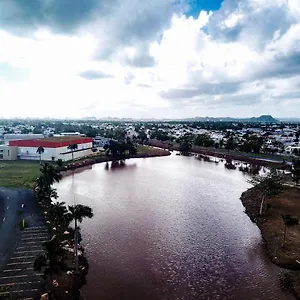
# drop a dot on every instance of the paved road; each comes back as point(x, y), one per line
point(18, 249)
point(10, 203)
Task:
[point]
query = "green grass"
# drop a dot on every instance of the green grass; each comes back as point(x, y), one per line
point(18, 173)
point(144, 149)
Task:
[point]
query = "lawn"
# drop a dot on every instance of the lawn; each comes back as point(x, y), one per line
point(18, 173)
point(144, 149)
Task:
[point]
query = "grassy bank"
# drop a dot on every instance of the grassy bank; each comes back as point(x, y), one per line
point(24, 173)
point(284, 254)
point(220, 152)
point(18, 173)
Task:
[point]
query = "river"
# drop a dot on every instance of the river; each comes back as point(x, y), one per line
point(170, 228)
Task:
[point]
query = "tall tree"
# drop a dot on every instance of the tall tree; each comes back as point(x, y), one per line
point(49, 175)
point(78, 213)
point(51, 262)
point(269, 185)
point(40, 150)
point(296, 170)
point(73, 147)
point(288, 221)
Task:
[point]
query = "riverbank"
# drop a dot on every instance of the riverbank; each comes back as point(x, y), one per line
point(143, 152)
point(260, 159)
point(283, 254)
point(20, 173)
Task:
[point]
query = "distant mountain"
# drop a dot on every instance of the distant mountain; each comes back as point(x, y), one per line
point(264, 119)
point(261, 119)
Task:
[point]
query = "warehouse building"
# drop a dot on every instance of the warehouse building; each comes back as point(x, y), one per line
point(54, 148)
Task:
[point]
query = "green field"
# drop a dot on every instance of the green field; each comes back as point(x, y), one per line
point(144, 149)
point(18, 173)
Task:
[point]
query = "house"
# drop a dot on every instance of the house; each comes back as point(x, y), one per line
point(100, 141)
point(54, 148)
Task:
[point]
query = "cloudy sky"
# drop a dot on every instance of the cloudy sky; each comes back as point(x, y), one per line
point(150, 58)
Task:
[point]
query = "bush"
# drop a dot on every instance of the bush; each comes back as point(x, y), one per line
point(290, 220)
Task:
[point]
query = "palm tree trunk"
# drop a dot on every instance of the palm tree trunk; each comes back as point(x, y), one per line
point(40, 158)
point(284, 235)
point(262, 205)
point(76, 245)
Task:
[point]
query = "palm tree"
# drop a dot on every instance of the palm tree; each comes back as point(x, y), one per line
point(77, 213)
point(51, 262)
point(49, 174)
point(269, 186)
point(73, 147)
point(59, 163)
point(58, 215)
point(288, 221)
point(40, 150)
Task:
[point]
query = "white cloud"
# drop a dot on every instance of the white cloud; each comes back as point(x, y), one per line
point(236, 61)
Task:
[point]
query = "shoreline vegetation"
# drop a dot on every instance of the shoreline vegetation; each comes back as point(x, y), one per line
point(259, 159)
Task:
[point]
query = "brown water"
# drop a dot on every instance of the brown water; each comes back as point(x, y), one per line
point(170, 228)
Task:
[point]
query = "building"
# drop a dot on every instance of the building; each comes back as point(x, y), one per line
point(8, 153)
point(54, 148)
point(100, 141)
point(15, 137)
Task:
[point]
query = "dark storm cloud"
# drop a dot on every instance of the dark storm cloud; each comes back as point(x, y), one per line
point(203, 89)
point(93, 75)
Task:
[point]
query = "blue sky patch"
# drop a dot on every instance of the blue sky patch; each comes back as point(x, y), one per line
point(197, 5)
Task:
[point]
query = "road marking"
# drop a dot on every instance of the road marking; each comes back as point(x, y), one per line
point(35, 242)
point(22, 257)
point(20, 291)
point(32, 238)
point(17, 276)
point(20, 252)
point(19, 283)
point(20, 263)
point(26, 247)
point(7, 207)
point(3, 219)
point(18, 270)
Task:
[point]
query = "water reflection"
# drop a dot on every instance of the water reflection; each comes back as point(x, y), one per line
point(171, 228)
point(119, 164)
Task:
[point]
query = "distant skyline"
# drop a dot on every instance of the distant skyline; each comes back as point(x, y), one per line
point(168, 60)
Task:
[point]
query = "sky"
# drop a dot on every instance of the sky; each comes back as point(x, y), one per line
point(149, 59)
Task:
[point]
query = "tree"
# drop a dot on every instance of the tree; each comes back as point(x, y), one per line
point(73, 147)
point(288, 221)
point(204, 140)
point(49, 175)
point(78, 213)
point(51, 262)
point(40, 150)
point(58, 214)
point(59, 163)
point(185, 146)
point(269, 185)
point(296, 170)
point(230, 144)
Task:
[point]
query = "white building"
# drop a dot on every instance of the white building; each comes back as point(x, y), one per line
point(54, 148)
